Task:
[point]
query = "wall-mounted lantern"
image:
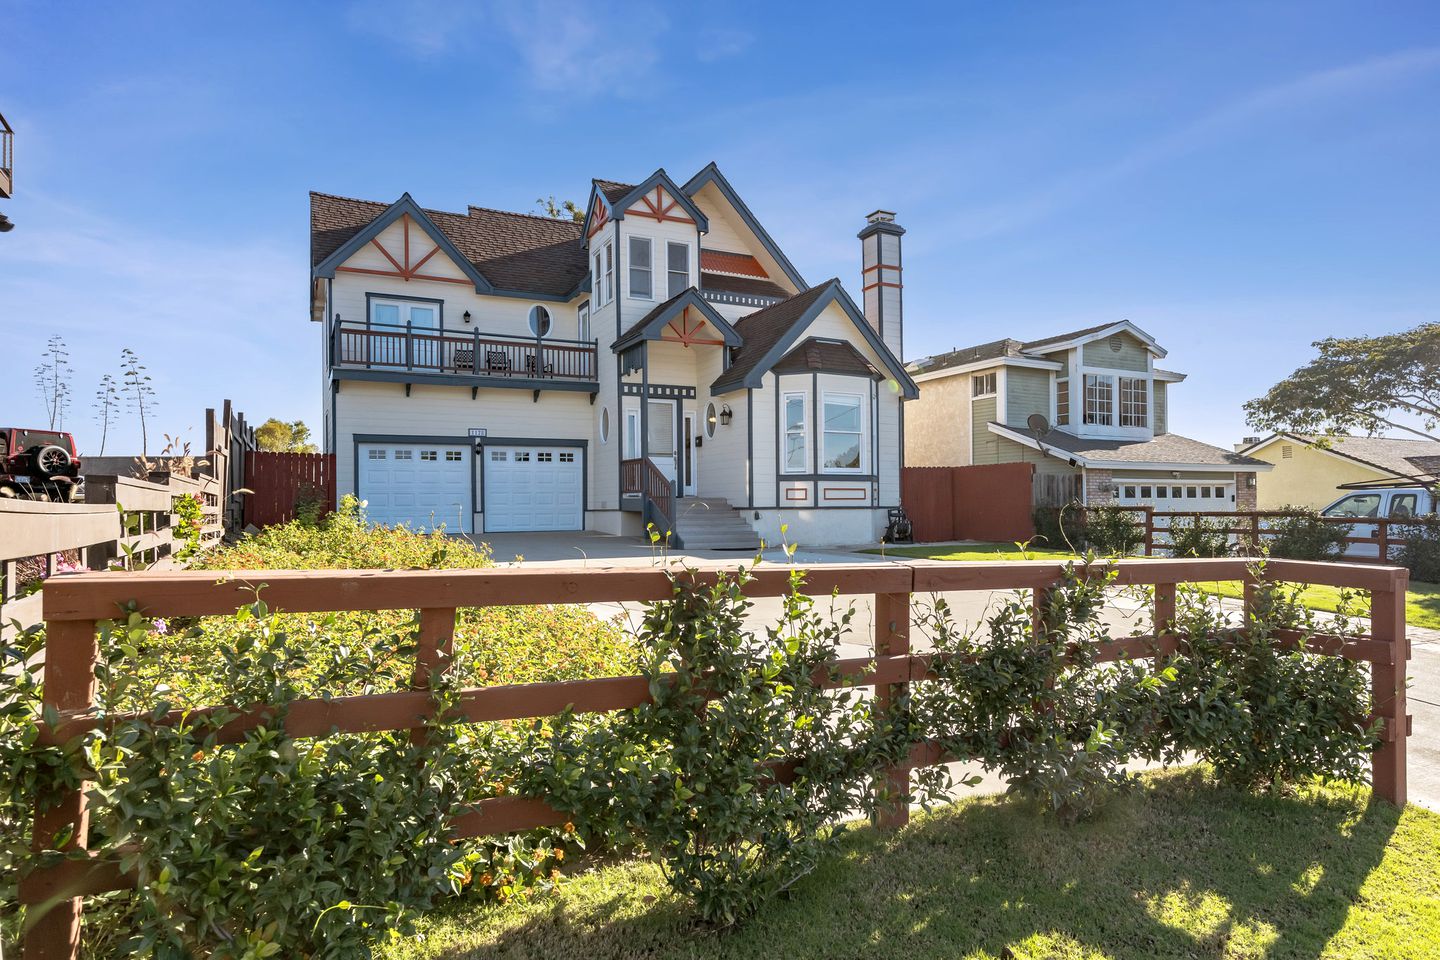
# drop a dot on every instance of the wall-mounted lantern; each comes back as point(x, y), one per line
point(466, 316)
point(725, 415)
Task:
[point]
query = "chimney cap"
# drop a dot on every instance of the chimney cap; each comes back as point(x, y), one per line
point(880, 216)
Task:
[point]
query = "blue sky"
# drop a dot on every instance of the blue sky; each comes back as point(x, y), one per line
point(1239, 179)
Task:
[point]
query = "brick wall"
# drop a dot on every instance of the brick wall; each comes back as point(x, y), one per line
point(1099, 487)
point(1245, 491)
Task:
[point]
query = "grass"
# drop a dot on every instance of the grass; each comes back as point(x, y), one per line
point(1183, 868)
point(1422, 604)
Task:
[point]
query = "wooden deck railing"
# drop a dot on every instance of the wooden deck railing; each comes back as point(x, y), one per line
point(657, 492)
point(466, 353)
point(1249, 529)
point(73, 605)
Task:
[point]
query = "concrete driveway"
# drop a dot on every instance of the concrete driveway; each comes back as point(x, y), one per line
point(1123, 615)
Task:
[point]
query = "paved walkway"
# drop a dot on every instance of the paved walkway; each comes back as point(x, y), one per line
point(1123, 615)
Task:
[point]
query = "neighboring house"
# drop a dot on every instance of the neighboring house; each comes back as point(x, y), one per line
point(1105, 402)
point(661, 361)
point(1308, 473)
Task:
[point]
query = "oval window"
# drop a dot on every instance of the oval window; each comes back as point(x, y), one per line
point(604, 424)
point(710, 421)
point(539, 321)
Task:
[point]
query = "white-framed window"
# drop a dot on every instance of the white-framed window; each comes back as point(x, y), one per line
point(540, 321)
point(844, 437)
point(677, 267)
point(604, 276)
point(796, 439)
point(982, 385)
point(583, 326)
point(632, 434)
point(710, 420)
point(604, 424)
point(642, 268)
point(1134, 405)
point(419, 314)
point(1099, 400)
point(1062, 402)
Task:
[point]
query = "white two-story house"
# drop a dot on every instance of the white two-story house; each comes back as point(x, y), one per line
point(1090, 404)
point(660, 362)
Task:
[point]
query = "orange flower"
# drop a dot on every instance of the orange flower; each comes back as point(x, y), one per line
point(569, 828)
point(486, 879)
point(559, 854)
point(198, 755)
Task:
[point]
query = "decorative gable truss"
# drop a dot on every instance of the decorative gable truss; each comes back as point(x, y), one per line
point(407, 241)
point(659, 206)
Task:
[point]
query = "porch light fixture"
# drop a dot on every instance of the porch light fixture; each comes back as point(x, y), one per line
point(725, 415)
point(466, 316)
point(1250, 482)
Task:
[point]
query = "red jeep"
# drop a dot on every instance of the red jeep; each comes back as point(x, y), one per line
point(39, 465)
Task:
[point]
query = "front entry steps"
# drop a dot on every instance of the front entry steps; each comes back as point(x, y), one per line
point(710, 523)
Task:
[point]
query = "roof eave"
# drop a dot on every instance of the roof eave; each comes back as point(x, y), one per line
point(405, 205)
point(711, 174)
point(1079, 460)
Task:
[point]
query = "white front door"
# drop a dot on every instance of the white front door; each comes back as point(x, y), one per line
point(422, 485)
point(534, 487)
point(661, 429)
point(689, 456)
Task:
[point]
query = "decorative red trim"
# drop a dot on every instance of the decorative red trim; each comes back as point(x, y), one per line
point(402, 276)
point(725, 262)
point(880, 266)
point(376, 242)
point(879, 283)
point(600, 217)
point(685, 334)
point(659, 210)
point(864, 494)
point(804, 494)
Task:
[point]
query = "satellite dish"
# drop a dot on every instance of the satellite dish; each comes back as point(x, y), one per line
point(1038, 424)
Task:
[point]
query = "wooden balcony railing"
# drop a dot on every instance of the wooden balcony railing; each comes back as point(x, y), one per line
point(469, 354)
point(657, 493)
point(7, 159)
point(74, 604)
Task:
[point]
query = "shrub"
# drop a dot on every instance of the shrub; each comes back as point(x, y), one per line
point(1302, 535)
point(1199, 537)
point(311, 504)
point(1421, 550)
point(1060, 528)
point(1112, 530)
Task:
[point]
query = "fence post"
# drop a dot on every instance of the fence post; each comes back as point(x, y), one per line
point(892, 638)
point(1149, 531)
point(1387, 689)
point(435, 642)
point(69, 677)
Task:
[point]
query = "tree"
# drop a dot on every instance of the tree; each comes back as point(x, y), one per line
point(1359, 384)
point(280, 437)
point(107, 401)
point(560, 210)
point(136, 388)
point(52, 380)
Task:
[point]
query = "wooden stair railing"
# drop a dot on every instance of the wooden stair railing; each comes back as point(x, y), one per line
point(657, 496)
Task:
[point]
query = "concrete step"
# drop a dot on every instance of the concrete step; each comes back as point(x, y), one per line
point(711, 523)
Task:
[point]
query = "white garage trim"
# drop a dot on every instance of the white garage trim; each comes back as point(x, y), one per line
point(421, 481)
point(546, 490)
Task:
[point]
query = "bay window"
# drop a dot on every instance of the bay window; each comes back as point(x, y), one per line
point(796, 448)
point(843, 434)
point(1134, 410)
point(1099, 400)
point(1112, 400)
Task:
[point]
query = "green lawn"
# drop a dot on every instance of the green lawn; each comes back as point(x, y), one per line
point(1422, 605)
point(1182, 868)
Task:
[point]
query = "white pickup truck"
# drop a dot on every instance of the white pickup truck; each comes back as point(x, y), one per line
point(1389, 503)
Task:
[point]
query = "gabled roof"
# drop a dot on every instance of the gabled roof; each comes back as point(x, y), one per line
point(1166, 450)
point(613, 189)
point(1388, 455)
point(826, 356)
point(1007, 349)
point(652, 325)
point(711, 174)
point(619, 204)
point(515, 252)
point(771, 332)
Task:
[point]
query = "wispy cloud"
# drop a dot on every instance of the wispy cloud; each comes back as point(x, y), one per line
point(584, 49)
point(1319, 89)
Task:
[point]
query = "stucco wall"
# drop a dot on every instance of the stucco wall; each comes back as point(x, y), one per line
point(937, 425)
point(1308, 478)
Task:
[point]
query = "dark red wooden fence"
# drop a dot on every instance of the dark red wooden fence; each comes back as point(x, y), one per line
point(276, 481)
point(988, 502)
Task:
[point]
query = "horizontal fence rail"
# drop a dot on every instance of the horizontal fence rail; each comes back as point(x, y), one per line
point(73, 605)
point(1249, 528)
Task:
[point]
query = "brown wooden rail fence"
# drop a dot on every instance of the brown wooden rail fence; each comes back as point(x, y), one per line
point(1249, 530)
point(74, 604)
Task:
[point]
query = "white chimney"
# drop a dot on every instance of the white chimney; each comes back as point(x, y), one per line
point(880, 282)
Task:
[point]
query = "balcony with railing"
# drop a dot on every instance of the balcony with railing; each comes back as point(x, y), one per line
point(362, 350)
point(7, 160)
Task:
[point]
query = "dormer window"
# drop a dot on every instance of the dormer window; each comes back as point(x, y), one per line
point(603, 277)
point(677, 263)
point(642, 284)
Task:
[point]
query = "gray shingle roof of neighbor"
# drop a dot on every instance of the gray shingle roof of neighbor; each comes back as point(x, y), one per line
point(999, 349)
point(763, 329)
point(1062, 337)
point(1166, 448)
point(520, 252)
point(1425, 466)
point(1387, 454)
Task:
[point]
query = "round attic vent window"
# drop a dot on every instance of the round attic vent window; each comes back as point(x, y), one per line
point(1116, 344)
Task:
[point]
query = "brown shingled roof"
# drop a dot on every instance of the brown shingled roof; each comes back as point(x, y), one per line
point(514, 251)
point(746, 285)
point(613, 190)
point(825, 356)
point(957, 358)
point(763, 329)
